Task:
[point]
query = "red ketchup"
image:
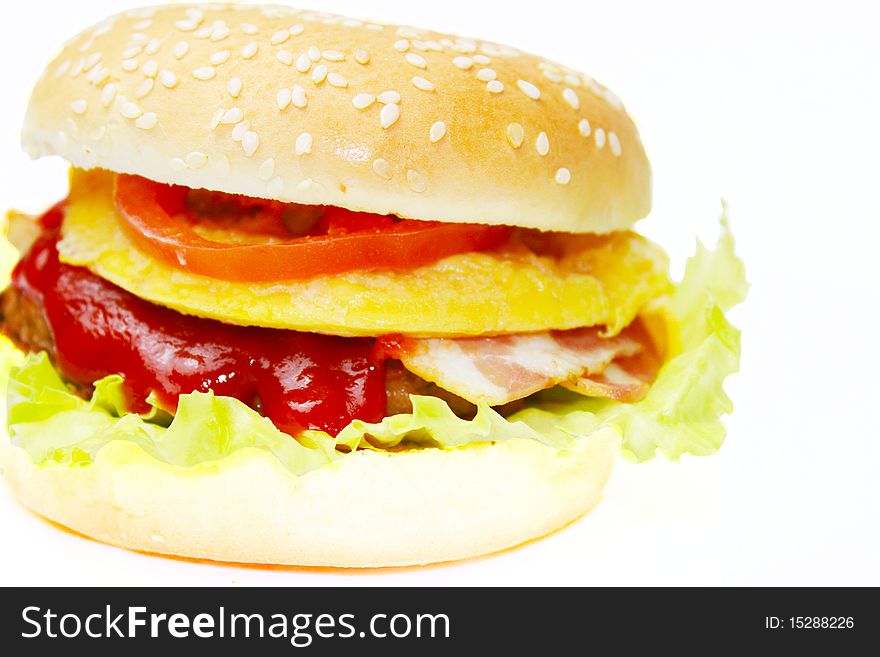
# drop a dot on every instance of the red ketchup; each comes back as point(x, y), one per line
point(298, 380)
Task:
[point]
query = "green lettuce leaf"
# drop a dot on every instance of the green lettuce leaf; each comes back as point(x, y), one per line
point(681, 413)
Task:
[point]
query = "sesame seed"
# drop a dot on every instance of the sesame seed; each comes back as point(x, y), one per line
point(143, 25)
point(177, 164)
point(314, 54)
point(215, 119)
point(153, 47)
point(285, 57)
point(303, 63)
point(186, 25)
point(79, 106)
point(219, 57)
point(128, 109)
point(150, 68)
point(571, 98)
point(283, 98)
point(319, 74)
point(180, 49)
point(267, 169)
point(309, 185)
point(486, 74)
point(296, 30)
point(515, 134)
point(553, 76)
point(108, 93)
point(131, 52)
point(361, 56)
point(239, 131)
point(573, 80)
point(433, 46)
point(204, 73)
point(438, 131)
point(529, 89)
point(250, 50)
point(147, 121)
point(612, 99)
point(599, 136)
point(416, 181)
point(382, 168)
point(98, 75)
point(168, 78)
point(298, 96)
point(416, 60)
point(401, 45)
point(279, 37)
point(250, 142)
point(333, 56)
point(249, 28)
point(220, 31)
point(337, 80)
point(563, 176)
point(614, 143)
point(234, 86)
point(196, 160)
point(129, 65)
point(494, 87)
point(363, 101)
point(275, 188)
point(482, 59)
point(303, 144)
point(195, 14)
point(464, 63)
point(419, 45)
point(542, 144)
point(584, 127)
point(90, 61)
point(63, 68)
point(98, 134)
point(232, 115)
point(388, 97)
point(144, 88)
point(389, 115)
point(423, 84)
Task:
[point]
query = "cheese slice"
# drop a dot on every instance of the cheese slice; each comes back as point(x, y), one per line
point(598, 281)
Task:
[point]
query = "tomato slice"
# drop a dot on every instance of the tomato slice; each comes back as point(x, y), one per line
point(155, 218)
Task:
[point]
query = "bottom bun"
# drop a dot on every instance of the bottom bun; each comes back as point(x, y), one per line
point(368, 509)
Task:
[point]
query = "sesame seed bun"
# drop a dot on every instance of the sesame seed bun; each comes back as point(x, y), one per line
point(369, 509)
point(302, 107)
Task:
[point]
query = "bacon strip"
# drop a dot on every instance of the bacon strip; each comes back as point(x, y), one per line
point(501, 369)
point(624, 380)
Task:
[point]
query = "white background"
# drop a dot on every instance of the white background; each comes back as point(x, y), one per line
point(774, 106)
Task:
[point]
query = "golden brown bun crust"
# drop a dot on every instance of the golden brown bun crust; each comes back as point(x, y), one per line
point(278, 103)
point(370, 509)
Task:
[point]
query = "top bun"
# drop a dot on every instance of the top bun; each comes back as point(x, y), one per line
point(304, 107)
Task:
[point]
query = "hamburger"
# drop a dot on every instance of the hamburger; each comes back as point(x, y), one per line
point(332, 292)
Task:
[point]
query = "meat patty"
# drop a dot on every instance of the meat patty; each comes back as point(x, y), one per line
point(22, 320)
point(400, 383)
